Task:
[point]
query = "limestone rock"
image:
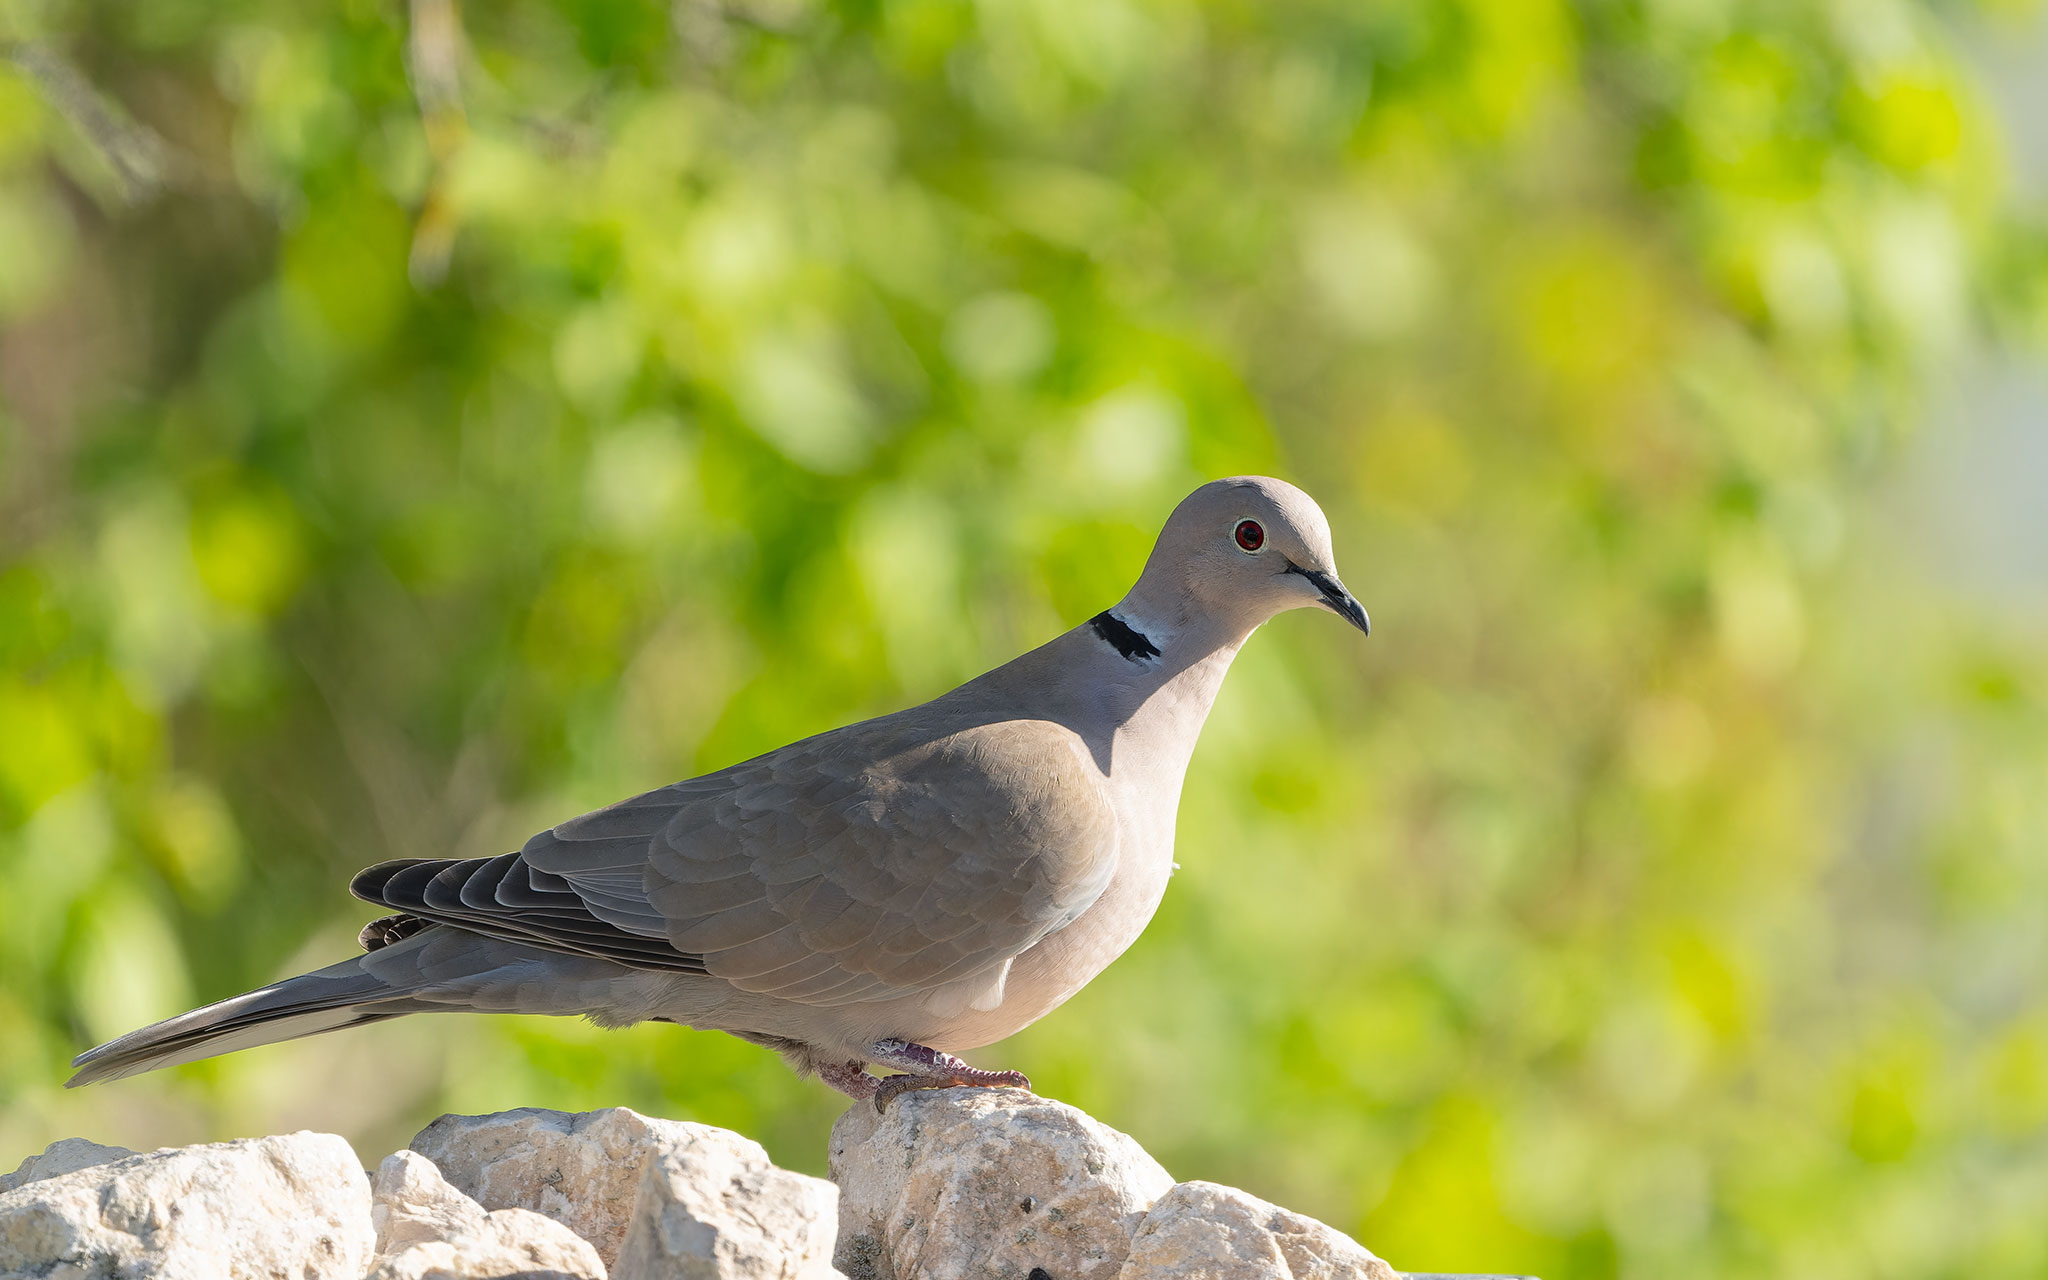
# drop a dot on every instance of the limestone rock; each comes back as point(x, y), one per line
point(509, 1244)
point(296, 1205)
point(66, 1155)
point(411, 1203)
point(583, 1170)
point(580, 1169)
point(715, 1208)
point(960, 1183)
point(1202, 1231)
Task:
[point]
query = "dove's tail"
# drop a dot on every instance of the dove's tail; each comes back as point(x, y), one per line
point(341, 995)
point(411, 967)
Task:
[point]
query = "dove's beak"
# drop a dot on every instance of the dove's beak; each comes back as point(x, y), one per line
point(1341, 602)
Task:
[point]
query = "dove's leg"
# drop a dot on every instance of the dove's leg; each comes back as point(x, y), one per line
point(851, 1079)
point(929, 1069)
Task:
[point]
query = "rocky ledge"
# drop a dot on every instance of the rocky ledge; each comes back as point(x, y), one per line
point(953, 1184)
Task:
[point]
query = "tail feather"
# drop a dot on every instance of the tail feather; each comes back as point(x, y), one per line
point(341, 995)
point(421, 970)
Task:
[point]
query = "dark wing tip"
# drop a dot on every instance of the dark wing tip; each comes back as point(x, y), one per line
point(368, 884)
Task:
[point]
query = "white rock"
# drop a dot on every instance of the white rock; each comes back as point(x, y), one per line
point(582, 1170)
point(717, 1209)
point(66, 1155)
point(1202, 1231)
point(510, 1244)
point(959, 1183)
point(296, 1205)
point(427, 1230)
point(411, 1203)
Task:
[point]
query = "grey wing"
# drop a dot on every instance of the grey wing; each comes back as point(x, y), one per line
point(860, 865)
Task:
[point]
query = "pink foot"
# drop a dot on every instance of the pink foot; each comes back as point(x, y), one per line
point(930, 1069)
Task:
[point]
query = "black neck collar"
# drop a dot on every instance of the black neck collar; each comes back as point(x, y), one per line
point(1127, 640)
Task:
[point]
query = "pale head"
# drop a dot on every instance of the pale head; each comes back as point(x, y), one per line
point(1239, 551)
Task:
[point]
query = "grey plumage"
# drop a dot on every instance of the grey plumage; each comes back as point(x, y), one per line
point(882, 894)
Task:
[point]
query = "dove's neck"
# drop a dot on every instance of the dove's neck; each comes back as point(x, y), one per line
point(1135, 682)
point(1157, 701)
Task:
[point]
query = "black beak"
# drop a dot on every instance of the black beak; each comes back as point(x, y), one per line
point(1340, 601)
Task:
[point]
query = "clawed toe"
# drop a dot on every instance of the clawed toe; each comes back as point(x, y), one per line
point(891, 1086)
point(925, 1068)
point(894, 1085)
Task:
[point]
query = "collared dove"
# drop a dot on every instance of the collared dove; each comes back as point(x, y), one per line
point(882, 895)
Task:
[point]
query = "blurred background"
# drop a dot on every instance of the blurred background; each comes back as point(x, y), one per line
point(419, 425)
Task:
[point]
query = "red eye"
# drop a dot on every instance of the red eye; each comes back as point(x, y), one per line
point(1249, 535)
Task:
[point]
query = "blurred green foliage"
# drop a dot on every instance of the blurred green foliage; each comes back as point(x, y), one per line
point(419, 427)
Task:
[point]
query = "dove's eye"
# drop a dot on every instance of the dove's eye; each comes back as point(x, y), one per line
point(1249, 535)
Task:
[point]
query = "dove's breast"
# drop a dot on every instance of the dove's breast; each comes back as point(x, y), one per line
point(1153, 739)
point(1044, 977)
point(1059, 965)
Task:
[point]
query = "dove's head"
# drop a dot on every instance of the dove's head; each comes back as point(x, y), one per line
point(1244, 549)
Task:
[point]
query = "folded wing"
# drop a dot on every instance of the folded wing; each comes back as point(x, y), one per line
point(864, 864)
